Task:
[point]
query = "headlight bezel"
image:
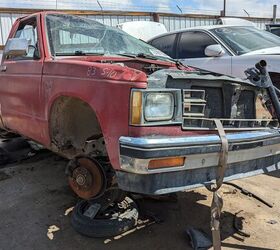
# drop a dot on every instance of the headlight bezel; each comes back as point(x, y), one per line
point(141, 95)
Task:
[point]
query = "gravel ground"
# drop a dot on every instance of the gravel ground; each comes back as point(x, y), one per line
point(34, 195)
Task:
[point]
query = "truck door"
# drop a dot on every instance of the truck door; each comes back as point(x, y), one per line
point(20, 83)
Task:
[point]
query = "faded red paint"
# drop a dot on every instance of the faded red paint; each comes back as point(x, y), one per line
point(29, 88)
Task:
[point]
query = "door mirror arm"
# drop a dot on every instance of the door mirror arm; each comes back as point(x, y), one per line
point(36, 54)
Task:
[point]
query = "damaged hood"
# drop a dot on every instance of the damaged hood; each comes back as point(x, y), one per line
point(159, 78)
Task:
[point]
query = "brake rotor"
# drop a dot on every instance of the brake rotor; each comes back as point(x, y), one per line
point(87, 178)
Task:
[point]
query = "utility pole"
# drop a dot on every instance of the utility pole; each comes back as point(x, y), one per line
point(223, 12)
point(155, 17)
point(274, 13)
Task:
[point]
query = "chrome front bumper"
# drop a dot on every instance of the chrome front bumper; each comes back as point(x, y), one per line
point(250, 153)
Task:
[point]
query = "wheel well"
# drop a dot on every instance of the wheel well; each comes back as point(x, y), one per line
point(73, 124)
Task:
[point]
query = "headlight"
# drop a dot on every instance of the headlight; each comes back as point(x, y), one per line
point(159, 107)
point(150, 107)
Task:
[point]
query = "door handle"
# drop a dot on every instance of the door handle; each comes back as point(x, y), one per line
point(3, 68)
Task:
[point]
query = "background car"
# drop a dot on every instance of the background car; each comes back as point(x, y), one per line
point(224, 49)
point(235, 21)
point(273, 28)
point(143, 30)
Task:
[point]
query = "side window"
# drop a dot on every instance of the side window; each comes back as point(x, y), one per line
point(165, 44)
point(28, 30)
point(193, 43)
point(276, 31)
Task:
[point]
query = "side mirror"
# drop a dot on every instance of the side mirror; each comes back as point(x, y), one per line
point(215, 50)
point(16, 47)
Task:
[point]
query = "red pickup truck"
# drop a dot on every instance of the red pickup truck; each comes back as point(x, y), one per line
point(126, 114)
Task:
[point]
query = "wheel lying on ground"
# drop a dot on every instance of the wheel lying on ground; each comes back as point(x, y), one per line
point(4, 134)
point(116, 219)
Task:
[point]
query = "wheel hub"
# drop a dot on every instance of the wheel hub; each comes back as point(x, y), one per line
point(81, 180)
point(82, 177)
point(87, 179)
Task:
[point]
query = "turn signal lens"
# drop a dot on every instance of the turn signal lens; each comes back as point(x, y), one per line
point(167, 162)
point(136, 108)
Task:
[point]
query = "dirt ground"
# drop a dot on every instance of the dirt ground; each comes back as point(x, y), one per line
point(34, 195)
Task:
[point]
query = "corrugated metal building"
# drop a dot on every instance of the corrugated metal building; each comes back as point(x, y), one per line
point(171, 21)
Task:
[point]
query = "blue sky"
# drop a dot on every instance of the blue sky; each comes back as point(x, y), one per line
point(262, 8)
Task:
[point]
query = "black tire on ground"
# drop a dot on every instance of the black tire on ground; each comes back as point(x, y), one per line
point(106, 224)
point(4, 134)
point(109, 197)
point(4, 157)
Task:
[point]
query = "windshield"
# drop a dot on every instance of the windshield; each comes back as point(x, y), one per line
point(73, 35)
point(243, 40)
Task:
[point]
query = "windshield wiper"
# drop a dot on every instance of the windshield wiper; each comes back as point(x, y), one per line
point(178, 63)
point(82, 53)
point(146, 56)
point(140, 55)
point(127, 55)
point(78, 53)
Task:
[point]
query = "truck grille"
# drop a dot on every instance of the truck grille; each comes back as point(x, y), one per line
point(246, 105)
point(201, 105)
point(194, 102)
